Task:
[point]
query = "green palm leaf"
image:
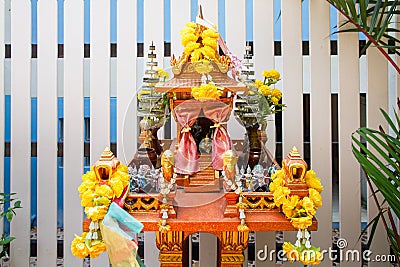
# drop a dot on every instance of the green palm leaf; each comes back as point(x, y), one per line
point(373, 19)
point(379, 156)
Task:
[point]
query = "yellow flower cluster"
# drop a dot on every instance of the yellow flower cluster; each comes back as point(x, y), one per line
point(271, 74)
point(81, 248)
point(162, 74)
point(272, 95)
point(300, 211)
point(199, 42)
point(96, 198)
point(206, 92)
point(310, 256)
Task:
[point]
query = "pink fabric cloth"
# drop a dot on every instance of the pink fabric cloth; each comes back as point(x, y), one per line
point(218, 112)
point(187, 158)
point(236, 63)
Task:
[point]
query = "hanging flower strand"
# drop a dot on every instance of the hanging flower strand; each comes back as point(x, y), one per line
point(300, 212)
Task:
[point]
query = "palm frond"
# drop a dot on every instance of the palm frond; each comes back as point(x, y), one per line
point(379, 156)
point(373, 19)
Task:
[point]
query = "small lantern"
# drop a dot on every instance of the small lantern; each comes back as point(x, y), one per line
point(295, 167)
point(105, 166)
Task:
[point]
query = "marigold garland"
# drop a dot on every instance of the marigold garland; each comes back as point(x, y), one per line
point(96, 198)
point(300, 212)
point(199, 42)
point(206, 91)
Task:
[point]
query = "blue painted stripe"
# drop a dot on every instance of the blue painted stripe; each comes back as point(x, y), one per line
point(60, 24)
point(140, 21)
point(86, 107)
point(60, 107)
point(34, 21)
point(167, 21)
point(221, 19)
point(305, 25)
point(86, 24)
point(249, 20)
point(113, 21)
point(333, 22)
point(194, 8)
point(277, 20)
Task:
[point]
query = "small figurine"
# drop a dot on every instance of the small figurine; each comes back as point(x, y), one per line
point(167, 164)
point(229, 161)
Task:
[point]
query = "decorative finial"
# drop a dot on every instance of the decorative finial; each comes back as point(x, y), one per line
point(106, 165)
point(200, 15)
point(107, 154)
point(295, 167)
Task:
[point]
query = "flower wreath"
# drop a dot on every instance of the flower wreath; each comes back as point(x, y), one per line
point(300, 212)
point(96, 196)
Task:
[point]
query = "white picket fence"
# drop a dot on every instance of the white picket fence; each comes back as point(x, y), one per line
point(74, 77)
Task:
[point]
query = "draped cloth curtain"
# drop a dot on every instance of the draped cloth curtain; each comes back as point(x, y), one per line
point(218, 112)
point(187, 158)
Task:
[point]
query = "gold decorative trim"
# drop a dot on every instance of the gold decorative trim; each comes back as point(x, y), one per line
point(235, 241)
point(232, 258)
point(170, 241)
point(259, 203)
point(170, 258)
point(142, 204)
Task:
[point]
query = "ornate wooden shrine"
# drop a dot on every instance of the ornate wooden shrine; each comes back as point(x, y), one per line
point(201, 181)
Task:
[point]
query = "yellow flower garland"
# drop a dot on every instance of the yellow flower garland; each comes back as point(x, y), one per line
point(300, 212)
point(199, 42)
point(96, 197)
point(206, 92)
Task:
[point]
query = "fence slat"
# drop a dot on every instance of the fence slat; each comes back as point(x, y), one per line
point(210, 10)
point(151, 252)
point(320, 66)
point(236, 42)
point(126, 82)
point(20, 128)
point(73, 125)
point(377, 71)
point(263, 21)
point(99, 86)
point(153, 32)
point(292, 81)
point(47, 133)
point(2, 91)
point(180, 15)
point(207, 250)
point(349, 121)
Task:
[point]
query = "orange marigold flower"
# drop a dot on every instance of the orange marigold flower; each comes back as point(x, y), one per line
point(96, 213)
point(289, 207)
point(301, 222)
point(265, 90)
point(97, 249)
point(315, 196)
point(79, 248)
point(276, 93)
